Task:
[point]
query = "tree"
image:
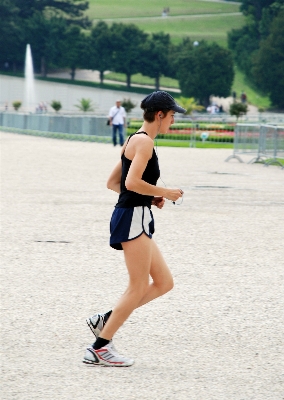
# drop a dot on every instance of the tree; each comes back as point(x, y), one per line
point(155, 57)
point(71, 10)
point(238, 109)
point(204, 70)
point(254, 8)
point(33, 21)
point(100, 45)
point(46, 37)
point(11, 36)
point(74, 49)
point(127, 43)
point(245, 42)
point(268, 63)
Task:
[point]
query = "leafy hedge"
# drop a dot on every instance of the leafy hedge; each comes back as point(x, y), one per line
point(211, 138)
point(59, 135)
point(189, 125)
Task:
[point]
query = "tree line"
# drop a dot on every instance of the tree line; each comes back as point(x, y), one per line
point(61, 36)
point(258, 47)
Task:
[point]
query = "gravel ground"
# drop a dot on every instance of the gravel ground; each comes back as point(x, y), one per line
point(217, 335)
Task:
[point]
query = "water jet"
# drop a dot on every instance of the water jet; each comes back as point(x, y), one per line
point(29, 100)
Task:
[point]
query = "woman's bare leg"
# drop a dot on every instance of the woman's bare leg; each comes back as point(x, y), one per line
point(161, 275)
point(143, 258)
point(138, 254)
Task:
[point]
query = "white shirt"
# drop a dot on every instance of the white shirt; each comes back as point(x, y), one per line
point(117, 115)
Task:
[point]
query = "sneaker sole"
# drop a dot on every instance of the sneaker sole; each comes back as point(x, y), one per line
point(102, 364)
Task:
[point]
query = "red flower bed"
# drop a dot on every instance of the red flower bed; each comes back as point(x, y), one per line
point(199, 131)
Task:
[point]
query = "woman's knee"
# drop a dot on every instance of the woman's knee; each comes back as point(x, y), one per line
point(169, 285)
point(165, 286)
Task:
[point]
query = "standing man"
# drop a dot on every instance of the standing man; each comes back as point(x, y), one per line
point(117, 118)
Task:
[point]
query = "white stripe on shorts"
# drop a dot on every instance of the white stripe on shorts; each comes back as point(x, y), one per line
point(140, 222)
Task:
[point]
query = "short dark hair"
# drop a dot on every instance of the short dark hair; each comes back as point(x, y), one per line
point(149, 116)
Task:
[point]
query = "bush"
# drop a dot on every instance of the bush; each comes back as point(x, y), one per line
point(128, 105)
point(56, 105)
point(85, 105)
point(134, 125)
point(17, 104)
point(238, 109)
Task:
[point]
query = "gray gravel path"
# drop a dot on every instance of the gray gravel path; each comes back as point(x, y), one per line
point(217, 335)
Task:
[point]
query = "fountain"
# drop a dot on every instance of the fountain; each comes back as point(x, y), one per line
point(29, 100)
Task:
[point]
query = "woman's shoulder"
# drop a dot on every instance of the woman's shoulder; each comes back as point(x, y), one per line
point(142, 140)
point(140, 143)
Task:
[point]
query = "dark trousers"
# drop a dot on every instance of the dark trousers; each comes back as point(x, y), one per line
point(120, 131)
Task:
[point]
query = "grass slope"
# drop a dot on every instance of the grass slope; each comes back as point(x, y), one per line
point(254, 97)
point(211, 28)
point(113, 9)
point(189, 23)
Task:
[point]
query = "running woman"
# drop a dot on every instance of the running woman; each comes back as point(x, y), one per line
point(132, 226)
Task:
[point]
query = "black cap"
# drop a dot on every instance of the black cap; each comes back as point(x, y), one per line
point(160, 100)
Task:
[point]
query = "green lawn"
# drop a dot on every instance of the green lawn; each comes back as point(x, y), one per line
point(210, 28)
point(199, 145)
point(143, 80)
point(254, 97)
point(118, 9)
point(186, 17)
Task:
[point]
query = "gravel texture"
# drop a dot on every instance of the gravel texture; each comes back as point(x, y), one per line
point(218, 335)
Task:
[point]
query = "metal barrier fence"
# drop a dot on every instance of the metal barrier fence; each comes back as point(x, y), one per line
point(264, 141)
point(79, 125)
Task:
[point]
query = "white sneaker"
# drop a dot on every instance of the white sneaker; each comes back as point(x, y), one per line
point(106, 356)
point(96, 323)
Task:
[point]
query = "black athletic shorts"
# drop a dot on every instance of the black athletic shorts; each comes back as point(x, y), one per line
point(129, 223)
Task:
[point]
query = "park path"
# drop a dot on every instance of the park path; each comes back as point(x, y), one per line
point(217, 336)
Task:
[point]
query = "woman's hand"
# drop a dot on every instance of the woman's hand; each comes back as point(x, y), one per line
point(173, 194)
point(158, 201)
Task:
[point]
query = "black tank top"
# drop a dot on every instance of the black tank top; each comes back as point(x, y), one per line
point(127, 198)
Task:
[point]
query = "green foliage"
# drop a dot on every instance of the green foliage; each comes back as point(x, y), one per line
point(128, 105)
point(85, 105)
point(258, 43)
point(238, 109)
point(243, 43)
point(56, 105)
point(268, 63)
point(100, 48)
point(69, 9)
point(17, 104)
point(73, 49)
point(47, 38)
point(127, 42)
point(11, 34)
point(155, 55)
point(190, 105)
point(204, 70)
point(42, 24)
point(134, 125)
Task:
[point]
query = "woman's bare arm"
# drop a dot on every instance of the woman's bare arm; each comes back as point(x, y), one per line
point(113, 182)
point(142, 151)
